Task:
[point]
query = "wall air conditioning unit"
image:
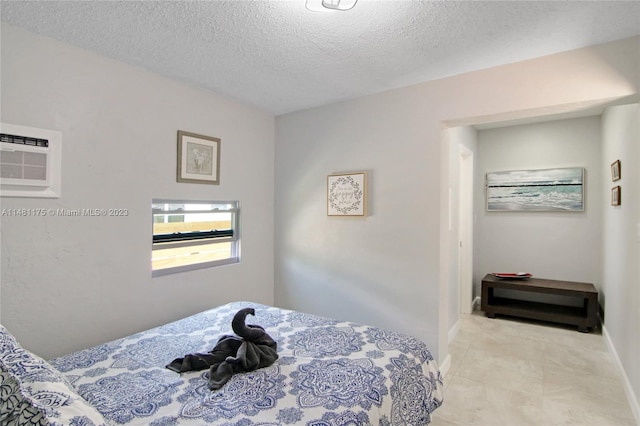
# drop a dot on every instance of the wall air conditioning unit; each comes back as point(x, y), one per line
point(30, 160)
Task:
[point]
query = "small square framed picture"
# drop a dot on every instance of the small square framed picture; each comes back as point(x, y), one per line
point(615, 170)
point(347, 194)
point(616, 196)
point(198, 158)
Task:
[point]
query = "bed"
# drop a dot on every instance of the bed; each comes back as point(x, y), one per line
point(328, 372)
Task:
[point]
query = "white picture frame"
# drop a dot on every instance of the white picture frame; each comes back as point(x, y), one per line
point(347, 194)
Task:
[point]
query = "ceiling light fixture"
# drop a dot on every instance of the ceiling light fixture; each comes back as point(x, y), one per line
point(330, 5)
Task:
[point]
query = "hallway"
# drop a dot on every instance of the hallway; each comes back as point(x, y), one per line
point(513, 372)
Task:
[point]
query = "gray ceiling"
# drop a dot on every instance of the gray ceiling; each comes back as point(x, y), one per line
point(280, 57)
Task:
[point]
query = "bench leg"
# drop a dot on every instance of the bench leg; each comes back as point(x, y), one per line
point(591, 307)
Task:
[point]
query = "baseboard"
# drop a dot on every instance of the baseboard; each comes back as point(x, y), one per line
point(453, 331)
point(475, 304)
point(631, 396)
point(445, 365)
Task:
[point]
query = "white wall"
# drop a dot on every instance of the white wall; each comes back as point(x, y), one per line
point(378, 270)
point(89, 281)
point(391, 268)
point(621, 252)
point(465, 136)
point(553, 245)
point(72, 282)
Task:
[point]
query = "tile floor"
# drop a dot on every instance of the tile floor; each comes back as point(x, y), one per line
point(515, 373)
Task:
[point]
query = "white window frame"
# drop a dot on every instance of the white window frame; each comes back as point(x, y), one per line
point(232, 207)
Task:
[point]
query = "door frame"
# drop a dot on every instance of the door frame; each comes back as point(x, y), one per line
point(465, 229)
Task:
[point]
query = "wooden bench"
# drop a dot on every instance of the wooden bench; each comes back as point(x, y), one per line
point(584, 317)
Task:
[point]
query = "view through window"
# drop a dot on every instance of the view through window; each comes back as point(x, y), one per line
point(193, 234)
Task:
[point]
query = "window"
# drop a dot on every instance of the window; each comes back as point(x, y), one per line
point(191, 235)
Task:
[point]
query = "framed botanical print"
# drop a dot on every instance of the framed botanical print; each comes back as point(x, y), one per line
point(616, 196)
point(615, 170)
point(198, 158)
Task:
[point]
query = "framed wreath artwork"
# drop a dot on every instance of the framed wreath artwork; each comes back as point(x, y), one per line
point(347, 194)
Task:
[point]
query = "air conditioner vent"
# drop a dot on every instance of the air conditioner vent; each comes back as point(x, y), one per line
point(29, 161)
point(24, 140)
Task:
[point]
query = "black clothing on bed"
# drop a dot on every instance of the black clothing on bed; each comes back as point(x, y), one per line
point(252, 350)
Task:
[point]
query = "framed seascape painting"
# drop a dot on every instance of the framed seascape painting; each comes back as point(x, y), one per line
point(536, 190)
point(198, 158)
point(346, 194)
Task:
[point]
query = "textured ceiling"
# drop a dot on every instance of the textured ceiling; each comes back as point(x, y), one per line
point(280, 57)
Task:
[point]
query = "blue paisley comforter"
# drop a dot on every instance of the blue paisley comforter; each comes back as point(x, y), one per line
point(328, 373)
